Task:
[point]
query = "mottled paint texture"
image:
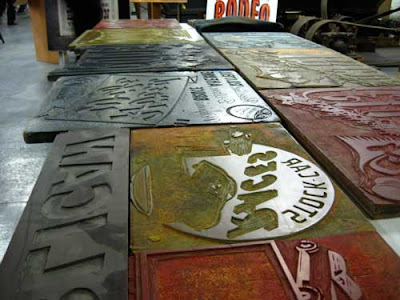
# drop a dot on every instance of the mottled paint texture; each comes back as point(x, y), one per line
point(253, 271)
point(177, 198)
point(353, 132)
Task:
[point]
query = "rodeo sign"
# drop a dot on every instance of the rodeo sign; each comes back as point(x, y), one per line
point(256, 9)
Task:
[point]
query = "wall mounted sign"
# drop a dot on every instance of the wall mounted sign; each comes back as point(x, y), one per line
point(211, 184)
point(356, 133)
point(275, 40)
point(296, 68)
point(265, 10)
point(147, 100)
point(138, 23)
point(145, 58)
point(135, 36)
point(342, 267)
point(72, 239)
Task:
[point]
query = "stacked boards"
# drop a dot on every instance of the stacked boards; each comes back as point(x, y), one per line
point(234, 208)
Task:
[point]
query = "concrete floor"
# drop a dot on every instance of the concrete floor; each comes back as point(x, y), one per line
point(23, 86)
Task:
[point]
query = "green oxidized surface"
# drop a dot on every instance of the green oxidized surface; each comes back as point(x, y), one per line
point(197, 200)
point(133, 36)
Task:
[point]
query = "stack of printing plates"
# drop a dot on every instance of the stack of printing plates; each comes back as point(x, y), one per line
point(162, 46)
point(224, 201)
point(348, 115)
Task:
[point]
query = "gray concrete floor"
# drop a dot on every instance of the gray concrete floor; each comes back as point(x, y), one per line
point(23, 86)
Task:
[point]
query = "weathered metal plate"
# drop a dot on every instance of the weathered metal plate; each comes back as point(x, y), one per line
point(145, 58)
point(296, 68)
point(275, 40)
point(138, 23)
point(135, 36)
point(147, 100)
point(341, 267)
point(72, 239)
point(356, 134)
point(206, 185)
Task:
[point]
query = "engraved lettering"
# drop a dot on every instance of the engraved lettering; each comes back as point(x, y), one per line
point(292, 162)
point(199, 94)
point(295, 216)
point(211, 79)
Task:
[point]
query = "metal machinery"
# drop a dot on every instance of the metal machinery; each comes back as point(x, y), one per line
point(354, 28)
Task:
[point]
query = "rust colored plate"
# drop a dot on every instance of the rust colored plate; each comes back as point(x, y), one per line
point(355, 133)
point(208, 185)
point(303, 68)
point(140, 23)
point(342, 267)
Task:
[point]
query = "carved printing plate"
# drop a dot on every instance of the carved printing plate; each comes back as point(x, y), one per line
point(144, 58)
point(343, 267)
point(72, 239)
point(274, 40)
point(363, 135)
point(295, 68)
point(229, 184)
point(135, 36)
point(274, 186)
point(148, 100)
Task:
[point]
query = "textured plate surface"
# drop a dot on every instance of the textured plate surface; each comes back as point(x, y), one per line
point(135, 36)
point(153, 23)
point(231, 184)
point(341, 267)
point(72, 239)
point(275, 40)
point(295, 68)
point(147, 100)
point(356, 134)
point(145, 58)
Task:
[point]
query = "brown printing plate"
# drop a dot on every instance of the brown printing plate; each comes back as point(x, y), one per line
point(208, 185)
point(355, 133)
point(303, 68)
point(341, 267)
